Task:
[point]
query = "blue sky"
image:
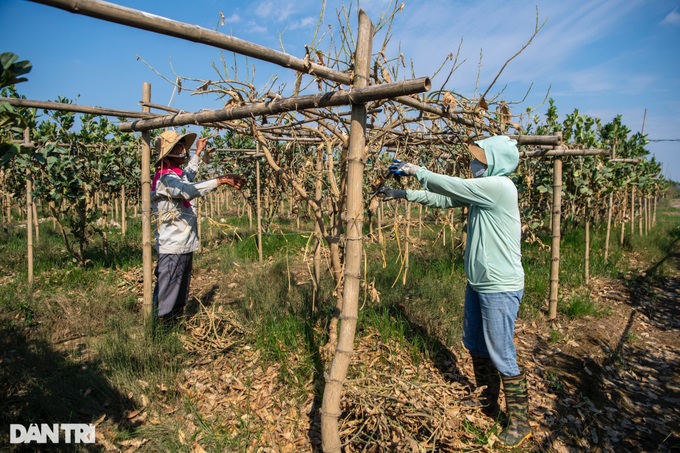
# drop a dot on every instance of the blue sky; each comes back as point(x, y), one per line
point(604, 57)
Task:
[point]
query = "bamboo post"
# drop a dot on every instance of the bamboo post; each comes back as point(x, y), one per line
point(609, 211)
point(632, 212)
point(587, 245)
point(609, 225)
point(259, 207)
point(199, 211)
point(646, 215)
point(330, 408)
point(623, 216)
point(29, 216)
point(641, 213)
point(36, 223)
point(407, 242)
point(555, 247)
point(380, 211)
point(123, 216)
point(318, 196)
point(8, 207)
point(147, 258)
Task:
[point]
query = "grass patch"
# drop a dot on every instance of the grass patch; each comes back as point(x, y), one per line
point(132, 355)
point(580, 305)
point(556, 336)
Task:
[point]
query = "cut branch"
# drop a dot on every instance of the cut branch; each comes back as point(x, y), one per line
point(332, 99)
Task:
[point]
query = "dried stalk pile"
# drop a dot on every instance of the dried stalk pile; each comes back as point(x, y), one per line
point(210, 331)
point(394, 403)
point(394, 400)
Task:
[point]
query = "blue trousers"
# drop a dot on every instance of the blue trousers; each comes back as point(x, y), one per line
point(173, 276)
point(489, 327)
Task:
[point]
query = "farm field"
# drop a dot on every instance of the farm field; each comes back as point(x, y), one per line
point(326, 310)
point(244, 371)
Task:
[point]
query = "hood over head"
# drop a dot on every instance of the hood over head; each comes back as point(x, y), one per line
point(500, 153)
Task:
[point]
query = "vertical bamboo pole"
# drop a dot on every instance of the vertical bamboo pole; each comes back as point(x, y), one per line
point(641, 213)
point(8, 207)
point(147, 258)
point(609, 213)
point(380, 224)
point(587, 248)
point(646, 215)
point(623, 216)
point(29, 215)
point(330, 409)
point(407, 242)
point(199, 211)
point(632, 212)
point(36, 223)
point(609, 225)
point(123, 216)
point(259, 207)
point(318, 194)
point(555, 247)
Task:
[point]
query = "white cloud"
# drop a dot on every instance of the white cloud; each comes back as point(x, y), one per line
point(264, 9)
point(307, 21)
point(673, 18)
point(303, 23)
point(256, 28)
point(232, 19)
point(278, 12)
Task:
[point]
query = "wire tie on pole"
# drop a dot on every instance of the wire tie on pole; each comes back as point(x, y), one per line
point(330, 379)
point(330, 414)
point(344, 317)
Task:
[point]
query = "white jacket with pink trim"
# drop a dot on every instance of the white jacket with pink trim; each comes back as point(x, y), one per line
point(174, 211)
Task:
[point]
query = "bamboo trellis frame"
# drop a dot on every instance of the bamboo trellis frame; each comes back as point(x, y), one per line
point(357, 97)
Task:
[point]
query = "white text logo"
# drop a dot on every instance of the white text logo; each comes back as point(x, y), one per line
point(77, 433)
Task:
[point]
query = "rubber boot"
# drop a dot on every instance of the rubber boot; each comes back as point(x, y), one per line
point(517, 401)
point(487, 375)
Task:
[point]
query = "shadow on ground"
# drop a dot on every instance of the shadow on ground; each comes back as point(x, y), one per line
point(618, 389)
point(43, 385)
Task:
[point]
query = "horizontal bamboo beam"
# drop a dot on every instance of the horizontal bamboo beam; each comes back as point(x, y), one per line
point(235, 150)
point(162, 25)
point(63, 107)
point(538, 140)
point(332, 99)
point(522, 140)
point(564, 152)
point(626, 161)
point(296, 139)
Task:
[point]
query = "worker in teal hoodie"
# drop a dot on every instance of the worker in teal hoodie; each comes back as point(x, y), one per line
point(493, 267)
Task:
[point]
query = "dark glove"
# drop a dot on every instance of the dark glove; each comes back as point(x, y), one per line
point(391, 194)
point(400, 168)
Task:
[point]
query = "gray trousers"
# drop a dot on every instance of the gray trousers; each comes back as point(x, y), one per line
point(173, 276)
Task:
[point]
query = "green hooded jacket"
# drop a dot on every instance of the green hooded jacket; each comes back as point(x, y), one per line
point(493, 255)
